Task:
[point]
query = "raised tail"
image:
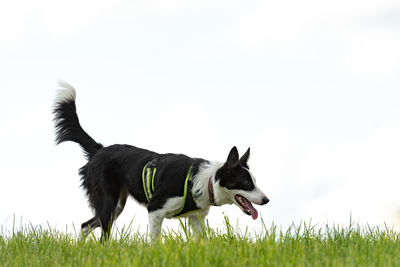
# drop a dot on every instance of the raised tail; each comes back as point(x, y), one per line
point(67, 123)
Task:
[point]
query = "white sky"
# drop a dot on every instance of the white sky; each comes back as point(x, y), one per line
point(313, 87)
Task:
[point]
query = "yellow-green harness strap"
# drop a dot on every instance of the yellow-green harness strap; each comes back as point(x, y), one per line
point(148, 183)
point(188, 178)
point(146, 174)
point(152, 179)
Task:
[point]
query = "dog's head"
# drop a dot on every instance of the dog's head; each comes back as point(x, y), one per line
point(238, 184)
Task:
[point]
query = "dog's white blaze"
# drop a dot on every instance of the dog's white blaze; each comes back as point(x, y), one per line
point(66, 92)
point(251, 175)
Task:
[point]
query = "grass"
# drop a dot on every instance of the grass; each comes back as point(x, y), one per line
point(300, 245)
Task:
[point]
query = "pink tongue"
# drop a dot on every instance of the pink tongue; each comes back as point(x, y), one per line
point(253, 211)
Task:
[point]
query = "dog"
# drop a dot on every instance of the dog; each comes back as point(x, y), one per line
point(168, 185)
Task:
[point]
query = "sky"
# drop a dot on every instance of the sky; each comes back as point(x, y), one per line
point(313, 87)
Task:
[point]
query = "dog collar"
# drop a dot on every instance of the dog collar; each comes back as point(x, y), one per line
point(211, 192)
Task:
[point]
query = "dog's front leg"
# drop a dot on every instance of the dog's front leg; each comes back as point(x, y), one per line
point(155, 222)
point(197, 224)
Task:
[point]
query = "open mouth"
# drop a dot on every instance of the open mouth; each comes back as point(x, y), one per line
point(246, 206)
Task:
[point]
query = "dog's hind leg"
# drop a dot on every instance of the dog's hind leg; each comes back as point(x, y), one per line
point(106, 216)
point(89, 226)
point(123, 195)
point(93, 223)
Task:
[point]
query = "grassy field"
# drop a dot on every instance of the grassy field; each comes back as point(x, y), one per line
point(302, 245)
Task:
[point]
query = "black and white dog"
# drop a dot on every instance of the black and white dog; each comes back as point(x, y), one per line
point(168, 185)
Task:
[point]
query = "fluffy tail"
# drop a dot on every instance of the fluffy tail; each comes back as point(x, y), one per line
point(67, 122)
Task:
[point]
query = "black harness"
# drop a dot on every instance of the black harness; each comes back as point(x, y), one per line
point(149, 176)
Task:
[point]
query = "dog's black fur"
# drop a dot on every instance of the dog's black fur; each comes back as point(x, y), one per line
point(114, 172)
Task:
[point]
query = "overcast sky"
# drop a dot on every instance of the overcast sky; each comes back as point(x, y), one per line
point(313, 87)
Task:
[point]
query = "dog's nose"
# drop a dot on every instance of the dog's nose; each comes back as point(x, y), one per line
point(265, 200)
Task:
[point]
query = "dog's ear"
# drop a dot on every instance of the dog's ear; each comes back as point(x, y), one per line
point(245, 158)
point(233, 157)
point(231, 163)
